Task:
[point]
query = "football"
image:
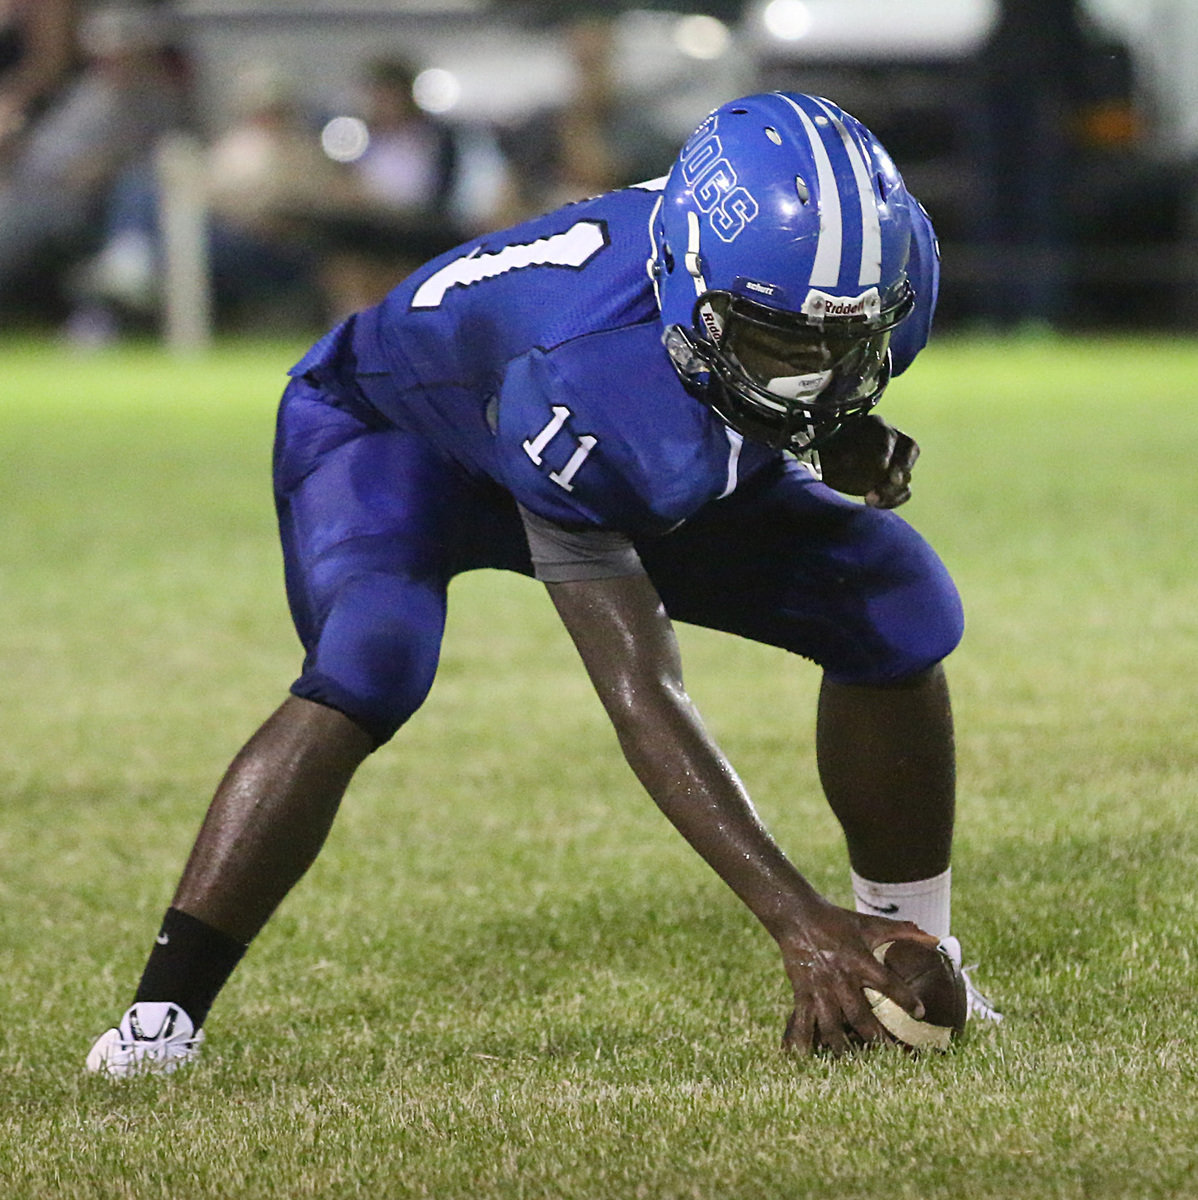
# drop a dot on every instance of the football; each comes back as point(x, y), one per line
point(936, 980)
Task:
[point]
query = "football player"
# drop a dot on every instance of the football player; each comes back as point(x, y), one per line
point(632, 398)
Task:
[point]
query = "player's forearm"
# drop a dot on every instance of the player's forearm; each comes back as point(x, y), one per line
point(627, 643)
point(696, 788)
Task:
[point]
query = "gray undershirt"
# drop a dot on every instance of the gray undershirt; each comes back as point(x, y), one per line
point(565, 555)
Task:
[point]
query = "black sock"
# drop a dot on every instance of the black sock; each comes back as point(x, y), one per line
point(189, 964)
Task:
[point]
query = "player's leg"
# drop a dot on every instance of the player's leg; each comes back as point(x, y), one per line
point(265, 826)
point(788, 562)
point(372, 530)
point(367, 520)
point(292, 773)
point(878, 748)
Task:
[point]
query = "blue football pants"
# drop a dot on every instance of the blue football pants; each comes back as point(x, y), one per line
point(375, 522)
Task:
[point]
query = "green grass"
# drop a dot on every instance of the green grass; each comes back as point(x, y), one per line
point(506, 976)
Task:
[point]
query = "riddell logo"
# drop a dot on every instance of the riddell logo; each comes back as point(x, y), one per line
point(711, 323)
point(820, 305)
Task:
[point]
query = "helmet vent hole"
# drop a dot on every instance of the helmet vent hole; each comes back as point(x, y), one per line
point(803, 190)
point(738, 112)
point(883, 186)
point(773, 135)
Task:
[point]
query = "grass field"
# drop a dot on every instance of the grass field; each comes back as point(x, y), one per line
point(507, 977)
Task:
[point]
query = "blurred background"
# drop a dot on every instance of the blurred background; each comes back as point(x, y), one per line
point(183, 167)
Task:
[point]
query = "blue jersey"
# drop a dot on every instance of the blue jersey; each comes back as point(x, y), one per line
point(533, 357)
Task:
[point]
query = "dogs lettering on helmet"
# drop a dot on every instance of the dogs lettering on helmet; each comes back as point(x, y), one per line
point(728, 206)
point(701, 150)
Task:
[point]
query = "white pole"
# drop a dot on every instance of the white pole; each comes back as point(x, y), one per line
point(187, 287)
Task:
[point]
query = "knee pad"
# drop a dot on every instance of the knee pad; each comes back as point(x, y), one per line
point(911, 615)
point(377, 652)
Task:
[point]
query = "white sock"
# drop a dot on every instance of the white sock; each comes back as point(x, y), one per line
point(927, 902)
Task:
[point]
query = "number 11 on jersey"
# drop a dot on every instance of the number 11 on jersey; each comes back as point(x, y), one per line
point(535, 448)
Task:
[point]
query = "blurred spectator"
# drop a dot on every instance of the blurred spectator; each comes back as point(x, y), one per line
point(127, 96)
point(1050, 97)
point(267, 170)
point(410, 158)
point(598, 140)
point(305, 228)
point(267, 185)
point(420, 186)
point(270, 186)
point(37, 52)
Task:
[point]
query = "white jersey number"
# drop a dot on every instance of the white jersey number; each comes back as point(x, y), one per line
point(535, 448)
point(575, 247)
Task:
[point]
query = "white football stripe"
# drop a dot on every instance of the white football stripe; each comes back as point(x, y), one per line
point(921, 1035)
point(825, 271)
point(871, 228)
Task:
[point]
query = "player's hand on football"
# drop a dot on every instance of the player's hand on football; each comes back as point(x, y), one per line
point(829, 961)
point(866, 457)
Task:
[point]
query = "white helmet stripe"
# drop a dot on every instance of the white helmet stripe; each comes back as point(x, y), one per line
point(825, 271)
point(871, 227)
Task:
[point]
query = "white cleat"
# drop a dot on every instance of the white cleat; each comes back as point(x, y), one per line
point(980, 1008)
point(153, 1038)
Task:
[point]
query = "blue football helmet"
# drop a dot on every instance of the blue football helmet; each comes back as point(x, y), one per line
point(780, 248)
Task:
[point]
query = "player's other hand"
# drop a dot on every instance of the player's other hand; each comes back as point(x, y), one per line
point(829, 961)
point(866, 457)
